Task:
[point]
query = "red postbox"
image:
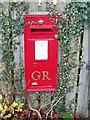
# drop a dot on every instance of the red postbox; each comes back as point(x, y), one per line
point(41, 53)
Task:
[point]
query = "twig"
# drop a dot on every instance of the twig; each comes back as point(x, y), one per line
point(53, 106)
point(48, 103)
point(33, 108)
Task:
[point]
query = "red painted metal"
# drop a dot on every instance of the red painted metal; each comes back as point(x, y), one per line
point(40, 75)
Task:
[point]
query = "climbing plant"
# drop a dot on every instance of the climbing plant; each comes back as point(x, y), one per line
point(11, 27)
point(71, 24)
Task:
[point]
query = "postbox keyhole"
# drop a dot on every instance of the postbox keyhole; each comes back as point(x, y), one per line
point(35, 64)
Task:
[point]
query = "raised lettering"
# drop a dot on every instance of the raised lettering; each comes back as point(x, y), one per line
point(45, 75)
point(36, 75)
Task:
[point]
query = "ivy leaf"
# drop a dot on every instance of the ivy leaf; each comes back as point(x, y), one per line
point(82, 5)
point(85, 16)
point(85, 26)
point(85, 12)
point(61, 45)
point(57, 36)
point(60, 26)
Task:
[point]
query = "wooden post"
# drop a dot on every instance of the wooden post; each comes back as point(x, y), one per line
point(89, 74)
point(82, 103)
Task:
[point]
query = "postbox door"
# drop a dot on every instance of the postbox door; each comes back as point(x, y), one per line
point(42, 74)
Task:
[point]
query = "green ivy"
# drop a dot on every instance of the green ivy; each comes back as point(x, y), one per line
point(12, 26)
point(71, 24)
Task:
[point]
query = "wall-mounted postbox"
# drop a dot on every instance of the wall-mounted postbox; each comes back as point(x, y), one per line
point(41, 53)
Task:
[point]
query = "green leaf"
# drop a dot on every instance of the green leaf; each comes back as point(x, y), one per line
point(14, 118)
point(85, 12)
point(57, 37)
point(82, 5)
point(61, 45)
point(67, 117)
point(85, 16)
point(60, 26)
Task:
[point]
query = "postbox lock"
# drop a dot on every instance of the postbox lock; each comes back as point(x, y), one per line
point(40, 21)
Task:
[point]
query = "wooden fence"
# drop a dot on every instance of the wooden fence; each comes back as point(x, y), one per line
point(84, 77)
